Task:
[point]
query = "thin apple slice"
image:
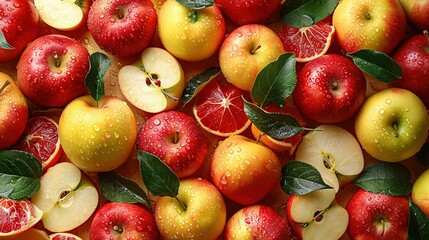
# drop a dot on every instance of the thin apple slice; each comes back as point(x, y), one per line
point(64, 15)
point(66, 196)
point(334, 152)
point(155, 83)
point(305, 206)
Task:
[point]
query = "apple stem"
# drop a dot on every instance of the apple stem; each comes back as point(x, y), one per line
point(383, 224)
point(119, 13)
point(395, 130)
point(193, 16)
point(176, 136)
point(57, 61)
point(181, 203)
point(255, 49)
point(4, 85)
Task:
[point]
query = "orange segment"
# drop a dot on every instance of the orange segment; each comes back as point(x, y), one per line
point(308, 42)
point(40, 139)
point(220, 109)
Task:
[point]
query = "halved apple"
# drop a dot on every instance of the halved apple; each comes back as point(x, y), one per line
point(65, 15)
point(316, 215)
point(155, 83)
point(334, 152)
point(66, 196)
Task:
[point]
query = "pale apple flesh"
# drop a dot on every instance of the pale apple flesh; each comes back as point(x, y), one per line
point(64, 15)
point(66, 196)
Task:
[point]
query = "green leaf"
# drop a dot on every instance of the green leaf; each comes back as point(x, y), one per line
point(422, 155)
point(300, 178)
point(377, 64)
point(387, 178)
point(276, 81)
point(198, 82)
point(20, 174)
point(303, 13)
point(196, 4)
point(275, 125)
point(100, 63)
point(418, 225)
point(116, 188)
point(158, 178)
point(3, 42)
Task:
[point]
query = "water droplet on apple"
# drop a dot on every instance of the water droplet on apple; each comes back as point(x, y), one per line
point(381, 111)
point(96, 127)
point(223, 180)
point(156, 122)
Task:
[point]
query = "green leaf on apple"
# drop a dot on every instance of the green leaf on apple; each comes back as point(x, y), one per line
point(198, 82)
point(196, 4)
point(158, 178)
point(20, 174)
point(418, 225)
point(275, 125)
point(422, 155)
point(300, 178)
point(304, 13)
point(276, 81)
point(99, 64)
point(386, 178)
point(377, 64)
point(3, 42)
point(116, 188)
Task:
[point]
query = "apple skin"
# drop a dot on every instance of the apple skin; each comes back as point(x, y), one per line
point(13, 112)
point(52, 70)
point(123, 221)
point(188, 39)
point(242, 12)
point(205, 215)
point(417, 12)
point(246, 51)
point(257, 222)
point(99, 138)
point(413, 57)
point(392, 125)
point(19, 26)
point(243, 170)
point(367, 24)
point(420, 192)
point(367, 211)
point(122, 28)
point(329, 89)
point(176, 139)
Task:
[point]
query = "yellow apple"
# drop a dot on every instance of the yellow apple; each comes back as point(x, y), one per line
point(97, 138)
point(420, 192)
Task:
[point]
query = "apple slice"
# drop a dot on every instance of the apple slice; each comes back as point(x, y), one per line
point(65, 15)
point(66, 196)
point(155, 83)
point(316, 215)
point(334, 152)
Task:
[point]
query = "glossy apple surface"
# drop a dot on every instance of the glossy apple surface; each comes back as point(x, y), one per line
point(420, 192)
point(329, 89)
point(97, 138)
point(242, 12)
point(191, 35)
point(366, 24)
point(245, 51)
point(13, 111)
point(52, 70)
point(392, 125)
point(204, 217)
point(417, 12)
point(123, 221)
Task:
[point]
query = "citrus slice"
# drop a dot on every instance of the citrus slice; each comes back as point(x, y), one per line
point(281, 145)
point(63, 236)
point(17, 216)
point(308, 42)
point(220, 109)
point(40, 139)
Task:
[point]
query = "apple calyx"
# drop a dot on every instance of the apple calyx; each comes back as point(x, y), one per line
point(119, 13)
point(5, 84)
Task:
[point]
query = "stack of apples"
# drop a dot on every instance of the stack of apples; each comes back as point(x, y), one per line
point(148, 62)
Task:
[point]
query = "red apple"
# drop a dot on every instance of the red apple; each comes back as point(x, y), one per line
point(329, 89)
point(177, 139)
point(13, 112)
point(413, 57)
point(123, 27)
point(52, 70)
point(377, 216)
point(115, 221)
point(19, 22)
point(242, 12)
point(417, 12)
point(257, 222)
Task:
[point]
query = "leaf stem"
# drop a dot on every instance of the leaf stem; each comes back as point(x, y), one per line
point(181, 203)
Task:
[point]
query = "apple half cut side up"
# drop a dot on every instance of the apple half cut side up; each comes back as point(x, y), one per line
point(65, 15)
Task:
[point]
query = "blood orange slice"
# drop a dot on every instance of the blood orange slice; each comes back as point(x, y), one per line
point(40, 139)
point(17, 216)
point(308, 42)
point(64, 236)
point(220, 109)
